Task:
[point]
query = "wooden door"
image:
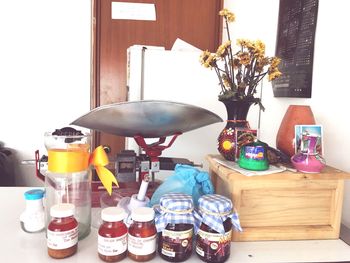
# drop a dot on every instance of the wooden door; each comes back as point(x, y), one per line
point(194, 21)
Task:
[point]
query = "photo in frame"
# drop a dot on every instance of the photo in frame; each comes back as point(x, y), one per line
point(243, 136)
point(304, 130)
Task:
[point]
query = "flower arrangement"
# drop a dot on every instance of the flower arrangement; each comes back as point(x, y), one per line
point(239, 73)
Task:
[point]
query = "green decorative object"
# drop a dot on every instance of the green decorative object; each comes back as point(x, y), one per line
point(253, 156)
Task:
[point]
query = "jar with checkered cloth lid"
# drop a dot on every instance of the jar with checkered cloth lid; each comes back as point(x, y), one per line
point(175, 222)
point(214, 235)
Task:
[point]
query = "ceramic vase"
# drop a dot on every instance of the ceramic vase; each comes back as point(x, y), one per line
point(295, 115)
point(237, 112)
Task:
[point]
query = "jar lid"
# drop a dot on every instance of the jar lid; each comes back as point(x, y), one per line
point(176, 203)
point(215, 204)
point(62, 210)
point(142, 214)
point(34, 194)
point(113, 214)
point(175, 208)
point(215, 209)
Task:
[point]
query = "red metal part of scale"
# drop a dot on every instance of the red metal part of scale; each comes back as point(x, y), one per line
point(154, 150)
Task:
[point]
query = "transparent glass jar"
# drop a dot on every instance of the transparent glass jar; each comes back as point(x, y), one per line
point(68, 178)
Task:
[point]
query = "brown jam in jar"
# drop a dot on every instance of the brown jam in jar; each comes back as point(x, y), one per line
point(175, 242)
point(112, 235)
point(213, 247)
point(62, 232)
point(142, 235)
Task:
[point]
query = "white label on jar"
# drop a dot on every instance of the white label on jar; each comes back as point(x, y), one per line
point(142, 246)
point(112, 246)
point(62, 240)
point(199, 251)
point(175, 242)
point(177, 234)
point(215, 237)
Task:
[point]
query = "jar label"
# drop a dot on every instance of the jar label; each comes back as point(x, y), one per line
point(62, 240)
point(141, 246)
point(254, 152)
point(112, 246)
point(213, 244)
point(174, 243)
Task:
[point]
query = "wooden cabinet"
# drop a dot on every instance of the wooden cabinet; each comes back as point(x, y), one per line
point(283, 206)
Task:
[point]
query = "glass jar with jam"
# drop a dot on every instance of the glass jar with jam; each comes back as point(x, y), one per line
point(142, 235)
point(112, 235)
point(62, 231)
point(213, 243)
point(175, 224)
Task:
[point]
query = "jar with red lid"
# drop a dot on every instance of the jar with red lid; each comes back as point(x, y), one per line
point(142, 235)
point(213, 243)
point(112, 235)
point(62, 231)
point(175, 223)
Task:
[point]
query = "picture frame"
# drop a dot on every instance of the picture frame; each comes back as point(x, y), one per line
point(301, 130)
point(242, 137)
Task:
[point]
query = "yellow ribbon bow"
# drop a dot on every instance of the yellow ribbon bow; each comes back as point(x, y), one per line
point(78, 159)
point(99, 159)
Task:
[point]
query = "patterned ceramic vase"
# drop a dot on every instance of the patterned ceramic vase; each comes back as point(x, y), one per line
point(237, 112)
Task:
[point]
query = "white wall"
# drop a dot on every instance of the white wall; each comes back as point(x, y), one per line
point(256, 19)
point(44, 72)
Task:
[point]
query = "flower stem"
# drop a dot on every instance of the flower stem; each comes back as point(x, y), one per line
point(230, 55)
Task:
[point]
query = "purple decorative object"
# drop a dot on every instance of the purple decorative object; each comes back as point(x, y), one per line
point(308, 160)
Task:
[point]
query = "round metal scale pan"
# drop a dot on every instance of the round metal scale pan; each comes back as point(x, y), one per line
point(147, 118)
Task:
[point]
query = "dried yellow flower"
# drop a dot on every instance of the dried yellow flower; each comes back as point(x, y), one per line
point(275, 61)
point(258, 48)
point(244, 43)
point(228, 15)
point(207, 59)
point(274, 74)
point(223, 49)
point(244, 58)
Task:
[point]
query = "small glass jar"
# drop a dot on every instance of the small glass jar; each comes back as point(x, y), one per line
point(112, 235)
point(213, 247)
point(142, 235)
point(33, 218)
point(175, 240)
point(213, 243)
point(62, 231)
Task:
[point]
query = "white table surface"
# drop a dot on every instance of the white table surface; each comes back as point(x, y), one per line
point(18, 246)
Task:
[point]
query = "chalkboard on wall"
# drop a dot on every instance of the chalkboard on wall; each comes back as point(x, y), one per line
point(295, 46)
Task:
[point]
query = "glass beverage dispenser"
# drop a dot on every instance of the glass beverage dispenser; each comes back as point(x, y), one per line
point(68, 178)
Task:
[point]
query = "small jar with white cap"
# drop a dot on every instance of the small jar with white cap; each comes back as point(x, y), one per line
point(62, 231)
point(112, 235)
point(142, 235)
point(33, 218)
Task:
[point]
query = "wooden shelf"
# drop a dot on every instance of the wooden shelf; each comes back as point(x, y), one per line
point(283, 206)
